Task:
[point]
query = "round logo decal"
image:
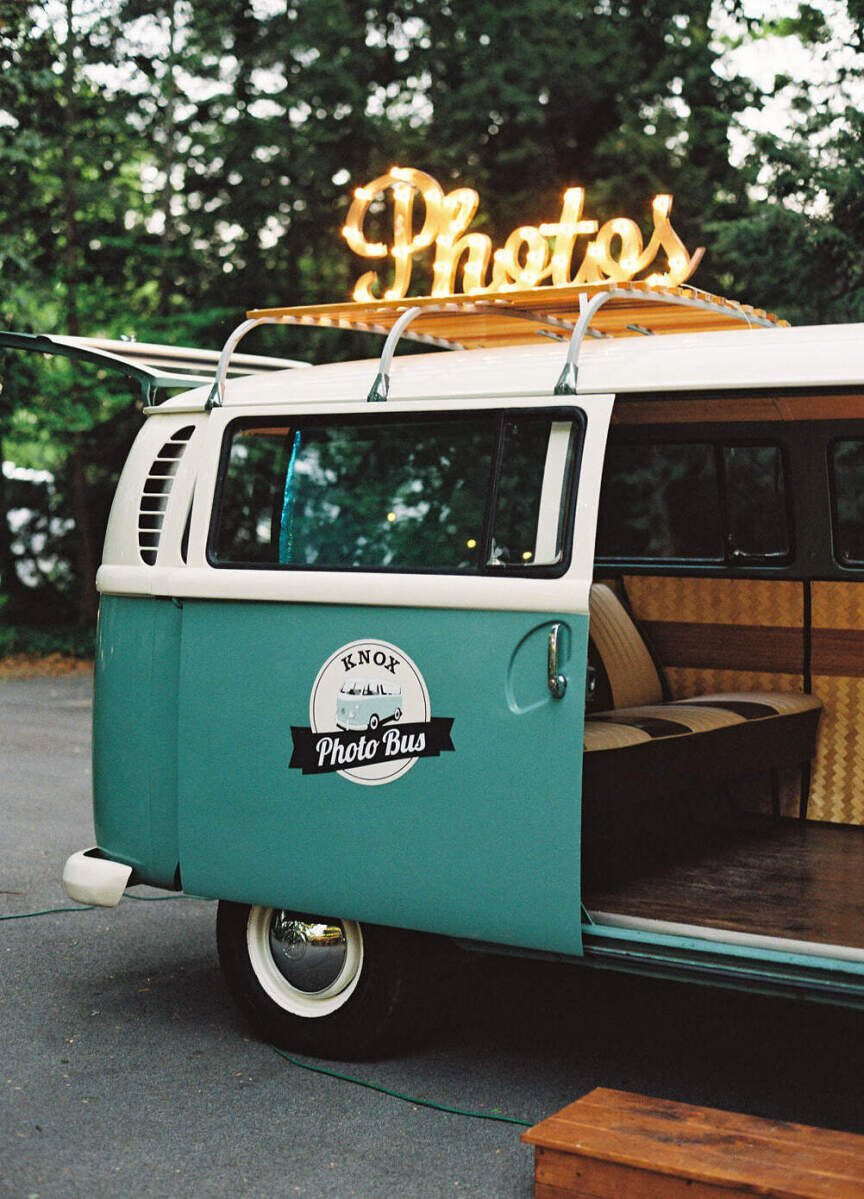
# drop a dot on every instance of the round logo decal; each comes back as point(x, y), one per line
point(370, 718)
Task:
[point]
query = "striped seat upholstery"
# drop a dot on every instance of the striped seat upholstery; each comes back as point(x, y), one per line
point(626, 673)
point(636, 740)
point(670, 720)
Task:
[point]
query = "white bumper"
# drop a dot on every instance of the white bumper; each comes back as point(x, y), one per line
point(95, 880)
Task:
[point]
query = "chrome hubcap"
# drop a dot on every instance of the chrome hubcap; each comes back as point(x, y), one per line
point(309, 954)
point(308, 965)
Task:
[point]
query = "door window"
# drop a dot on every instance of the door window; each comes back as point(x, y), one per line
point(474, 493)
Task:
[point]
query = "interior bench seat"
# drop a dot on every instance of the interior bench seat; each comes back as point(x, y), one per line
point(637, 743)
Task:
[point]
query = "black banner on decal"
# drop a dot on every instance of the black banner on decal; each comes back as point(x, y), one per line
point(321, 753)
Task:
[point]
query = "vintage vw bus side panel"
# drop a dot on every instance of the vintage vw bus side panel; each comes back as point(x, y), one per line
point(472, 830)
point(138, 655)
point(135, 734)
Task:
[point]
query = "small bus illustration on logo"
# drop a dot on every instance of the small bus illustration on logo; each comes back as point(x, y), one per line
point(366, 703)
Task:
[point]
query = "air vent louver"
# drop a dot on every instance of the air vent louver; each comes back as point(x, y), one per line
point(157, 488)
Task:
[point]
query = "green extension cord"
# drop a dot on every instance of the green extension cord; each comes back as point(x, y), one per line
point(374, 1086)
point(358, 1082)
point(43, 912)
point(89, 907)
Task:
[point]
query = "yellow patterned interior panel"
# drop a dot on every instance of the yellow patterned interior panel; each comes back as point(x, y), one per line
point(716, 601)
point(690, 682)
point(837, 605)
point(837, 787)
point(837, 784)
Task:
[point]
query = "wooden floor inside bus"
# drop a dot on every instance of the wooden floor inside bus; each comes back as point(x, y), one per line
point(803, 881)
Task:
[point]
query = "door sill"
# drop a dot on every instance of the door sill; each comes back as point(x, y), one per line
point(722, 936)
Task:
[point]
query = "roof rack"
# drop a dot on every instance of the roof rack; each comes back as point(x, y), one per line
point(486, 319)
point(152, 366)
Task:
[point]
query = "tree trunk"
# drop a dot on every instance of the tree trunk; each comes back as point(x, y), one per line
point(169, 133)
point(10, 584)
point(86, 547)
point(86, 550)
point(70, 196)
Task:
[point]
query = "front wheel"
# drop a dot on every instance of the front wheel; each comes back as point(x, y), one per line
point(318, 985)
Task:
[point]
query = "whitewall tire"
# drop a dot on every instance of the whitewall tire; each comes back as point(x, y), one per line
point(318, 985)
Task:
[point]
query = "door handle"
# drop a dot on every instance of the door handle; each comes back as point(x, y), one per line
point(556, 681)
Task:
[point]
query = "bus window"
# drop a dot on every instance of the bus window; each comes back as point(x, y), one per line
point(757, 509)
point(846, 460)
point(464, 494)
point(660, 502)
point(694, 502)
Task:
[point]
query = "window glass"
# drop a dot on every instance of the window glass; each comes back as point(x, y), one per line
point(523, 459)
point(848, 486)
point(756, 501)
point(410, 494)
point(694, 501)
point(660, 501)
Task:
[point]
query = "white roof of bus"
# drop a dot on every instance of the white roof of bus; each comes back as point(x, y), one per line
point(811, 356)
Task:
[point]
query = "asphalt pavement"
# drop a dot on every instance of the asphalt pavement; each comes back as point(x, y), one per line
point(127, 1071)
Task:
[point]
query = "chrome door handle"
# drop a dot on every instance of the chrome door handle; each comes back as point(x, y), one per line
point(556, 681)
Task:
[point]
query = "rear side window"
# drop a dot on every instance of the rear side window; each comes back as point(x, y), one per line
point(475, 493)
point(847, 487)
point(694, 501)
point(756, 502)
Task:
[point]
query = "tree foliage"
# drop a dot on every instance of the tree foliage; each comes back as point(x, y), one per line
point(798, 248)
point(167, 164)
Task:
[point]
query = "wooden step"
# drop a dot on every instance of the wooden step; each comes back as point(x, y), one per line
point(614, 1145)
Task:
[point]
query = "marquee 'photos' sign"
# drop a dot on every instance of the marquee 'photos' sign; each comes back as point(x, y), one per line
point(531, 255)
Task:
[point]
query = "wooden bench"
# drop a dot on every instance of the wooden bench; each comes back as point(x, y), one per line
point(613, 1145)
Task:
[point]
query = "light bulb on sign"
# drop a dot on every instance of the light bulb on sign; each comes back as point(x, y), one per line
point(662, 206)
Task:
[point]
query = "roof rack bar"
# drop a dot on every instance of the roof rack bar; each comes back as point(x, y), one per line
point(380, 389)
point(217, 392)
point(566, 385)
point(568, 379)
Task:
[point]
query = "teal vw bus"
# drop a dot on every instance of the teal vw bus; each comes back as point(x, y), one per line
point(598, 604)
